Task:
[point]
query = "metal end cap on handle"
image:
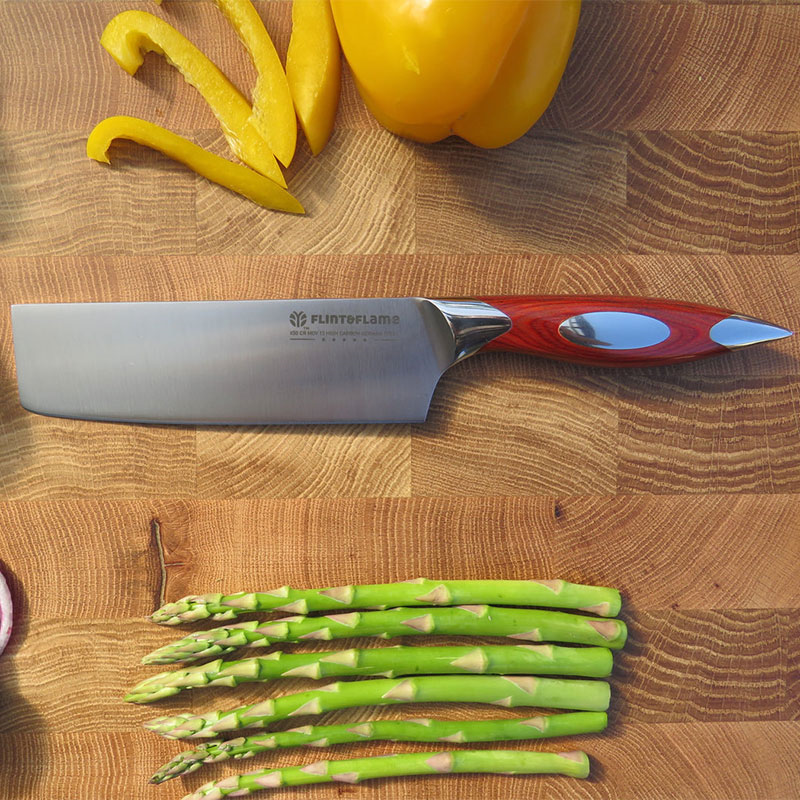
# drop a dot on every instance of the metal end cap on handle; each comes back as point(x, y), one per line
point(738, 331)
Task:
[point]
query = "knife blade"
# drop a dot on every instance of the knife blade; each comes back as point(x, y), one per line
point(329, 360)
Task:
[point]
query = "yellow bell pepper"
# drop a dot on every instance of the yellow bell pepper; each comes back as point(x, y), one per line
point(132, 33)
point(273, 112)
point(313, 68)
point(233, 176)
point(482, 69)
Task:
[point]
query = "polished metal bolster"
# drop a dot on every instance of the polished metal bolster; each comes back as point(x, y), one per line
point(470, 324)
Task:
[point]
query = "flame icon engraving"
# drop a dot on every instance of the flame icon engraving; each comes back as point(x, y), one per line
point(298, 319)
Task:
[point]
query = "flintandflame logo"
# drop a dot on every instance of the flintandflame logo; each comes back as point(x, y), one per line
point(298, 319)
point(342, 327)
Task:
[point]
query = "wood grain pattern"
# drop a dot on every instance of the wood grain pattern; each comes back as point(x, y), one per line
point(53, 206)
point(665, 167)
point(546, 192)
point(298, 461)
point(698, 191)
point(379, 218)
point(527, 453)
point(647, 65)
point(726, 416)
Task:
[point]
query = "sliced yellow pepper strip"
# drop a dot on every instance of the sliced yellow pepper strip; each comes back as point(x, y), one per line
point(528, 78)
point(233, 176)
point(314, 67)
point(273, 113)
point(131, 34)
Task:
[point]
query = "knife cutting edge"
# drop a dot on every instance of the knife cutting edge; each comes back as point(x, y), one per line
point(337, 360)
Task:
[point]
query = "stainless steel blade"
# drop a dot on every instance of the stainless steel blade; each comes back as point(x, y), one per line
point(234, 362)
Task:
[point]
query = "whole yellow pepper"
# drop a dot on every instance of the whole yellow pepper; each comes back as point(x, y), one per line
point(482, 69)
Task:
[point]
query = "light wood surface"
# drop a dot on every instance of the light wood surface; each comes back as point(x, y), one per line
point(667, 166)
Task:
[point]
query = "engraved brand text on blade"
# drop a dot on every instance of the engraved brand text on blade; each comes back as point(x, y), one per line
point(355, 319)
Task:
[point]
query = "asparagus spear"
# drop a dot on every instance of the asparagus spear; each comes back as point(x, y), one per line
point(354, 770)
point(507, 691)
point(524, 624)
point(417, 592)
point(523, 659)
point(409, 730)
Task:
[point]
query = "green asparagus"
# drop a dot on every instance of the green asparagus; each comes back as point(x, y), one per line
point(417, 592)
point(509, 691)
point(353, 770)
point(522, 659)
point(409, 730)
point(471, 620)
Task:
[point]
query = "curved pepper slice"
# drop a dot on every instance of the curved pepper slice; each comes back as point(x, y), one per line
point(314, 68)
point(233, 176)
point(131, 34)
point(273, 112)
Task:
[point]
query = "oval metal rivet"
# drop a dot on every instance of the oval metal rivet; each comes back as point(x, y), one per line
point(614, 330)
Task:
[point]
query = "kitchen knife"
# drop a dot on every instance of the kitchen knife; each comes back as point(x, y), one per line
point(337, 360)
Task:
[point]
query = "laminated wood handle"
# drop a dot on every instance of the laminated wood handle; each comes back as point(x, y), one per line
point(611, 331)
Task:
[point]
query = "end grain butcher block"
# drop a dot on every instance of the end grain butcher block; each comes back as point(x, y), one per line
point(666, 166)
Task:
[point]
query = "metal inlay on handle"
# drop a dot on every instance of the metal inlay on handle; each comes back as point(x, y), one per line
point(739, 330)
point(614, 330)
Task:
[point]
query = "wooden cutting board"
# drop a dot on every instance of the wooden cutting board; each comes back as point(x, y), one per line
point(668, 165)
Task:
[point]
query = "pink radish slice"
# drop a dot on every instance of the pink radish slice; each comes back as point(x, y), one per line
point(5, 613)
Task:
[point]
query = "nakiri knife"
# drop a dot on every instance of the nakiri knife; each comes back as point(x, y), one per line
point(337, 360)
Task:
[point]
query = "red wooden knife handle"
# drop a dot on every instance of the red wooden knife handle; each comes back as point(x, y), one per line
point(540, 327)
